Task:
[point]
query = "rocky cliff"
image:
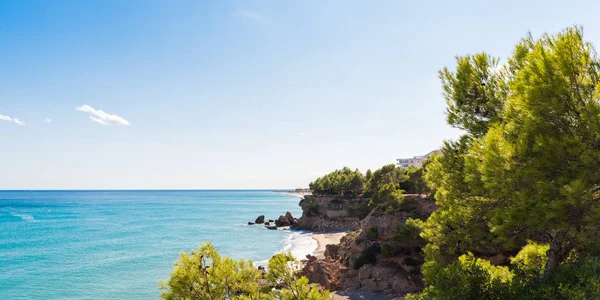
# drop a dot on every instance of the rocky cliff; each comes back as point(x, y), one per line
point(323, 213)
point(384, 255)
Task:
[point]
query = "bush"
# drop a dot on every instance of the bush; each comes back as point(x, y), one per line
point(530, 262)
point(360, 210)
point(466, 278)
point(580, 280)
point(369, 256)
point(313, 207)
point(339, 182)
point(473, 278)
point(372, 233)
point(388, 192)
point(204, 274)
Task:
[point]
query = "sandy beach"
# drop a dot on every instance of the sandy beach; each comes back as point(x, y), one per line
point(324, 239)
point(297, 194)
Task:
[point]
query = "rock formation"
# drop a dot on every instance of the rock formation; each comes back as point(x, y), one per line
point(260, 219)
point(282, 221)
point(382, 256)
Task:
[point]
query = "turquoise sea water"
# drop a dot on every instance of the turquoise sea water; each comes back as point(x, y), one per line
point(119, 244)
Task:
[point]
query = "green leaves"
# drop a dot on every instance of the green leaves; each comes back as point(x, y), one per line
point(344, 181)
point(204, 274)
point(528, 167)
point(475, 92)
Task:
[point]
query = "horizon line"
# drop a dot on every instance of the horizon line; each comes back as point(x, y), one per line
point(97, 190)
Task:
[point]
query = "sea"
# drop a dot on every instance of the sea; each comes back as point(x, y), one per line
point(121, 244)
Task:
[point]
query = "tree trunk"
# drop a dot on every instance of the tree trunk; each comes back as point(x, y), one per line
point(558, 252)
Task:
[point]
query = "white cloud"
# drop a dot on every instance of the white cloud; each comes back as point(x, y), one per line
point(98, 120)
point(302, 133)
point(250, 15)
point(14, 120)
point(101, 117)
point(48, 120)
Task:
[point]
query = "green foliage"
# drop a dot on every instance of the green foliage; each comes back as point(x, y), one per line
point(415, 182)
point(388, 192)
point(526, 169)
point(204, 274)
point(466, 278)
point(461, 222)
point(531, 260)
point(300, 290)
point(540, 164)
point(472, 278)
point(340, 182)
point(368, 256)
point(361, 210)
point(409, 233)
point(386, 175)
point(282, 273)
point(475, 92)
point(372, 233)
point(580, 280)
point(368, 175)
point(406, 240)
point(313, 207)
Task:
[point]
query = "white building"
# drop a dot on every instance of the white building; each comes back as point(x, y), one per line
point(416, 161)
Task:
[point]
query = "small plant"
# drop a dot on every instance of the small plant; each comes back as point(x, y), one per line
point(313, 207)
point(369, 256)
point(372, 233)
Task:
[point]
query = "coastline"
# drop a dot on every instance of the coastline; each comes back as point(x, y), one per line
point(324, 239)
point(297, 194)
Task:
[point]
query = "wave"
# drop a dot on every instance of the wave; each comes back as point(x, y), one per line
point(298, 244)
point(25, 217)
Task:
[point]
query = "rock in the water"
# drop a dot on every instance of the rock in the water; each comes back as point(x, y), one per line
point(250, 223)
point(260, 219)
point(288, 215)
point(272, 227)
point(267, 223)
point(271, 221)
point(282, 221)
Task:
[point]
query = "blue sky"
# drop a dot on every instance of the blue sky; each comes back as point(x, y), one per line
point(236, 94)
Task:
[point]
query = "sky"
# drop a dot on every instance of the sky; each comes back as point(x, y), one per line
point(237, 94)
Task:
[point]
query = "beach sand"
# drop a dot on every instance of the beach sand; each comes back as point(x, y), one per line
point(297, 194)
point(324, 239)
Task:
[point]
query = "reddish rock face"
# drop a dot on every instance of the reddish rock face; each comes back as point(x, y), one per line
point(326, 272)
point(290, 218)
point(282, 221)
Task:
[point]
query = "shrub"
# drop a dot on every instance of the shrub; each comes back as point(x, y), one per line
point(473, 278)
point(369, 256)
point(313, 207)
point(204, 274)
point(372, 233)
point(388, 192)
point(360, 210)
point(529, 263)
point(466, 278)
